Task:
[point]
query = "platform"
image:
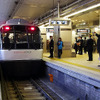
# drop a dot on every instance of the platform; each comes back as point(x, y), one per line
point(78, 64)
point(76, 75)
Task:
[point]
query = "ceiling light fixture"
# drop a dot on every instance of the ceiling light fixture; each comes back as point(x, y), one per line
point(96, 11)
point(34, 6)
point(83, 10)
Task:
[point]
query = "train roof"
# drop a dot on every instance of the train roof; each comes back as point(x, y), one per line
point(17, 22)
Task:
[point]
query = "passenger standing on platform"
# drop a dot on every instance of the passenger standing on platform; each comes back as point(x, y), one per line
point(85, 44)
point(90, 48)
point(60, 46)
point(51, 44)
point(94, 45)
point(80, 45)
point(75, 45)
point(98, 44)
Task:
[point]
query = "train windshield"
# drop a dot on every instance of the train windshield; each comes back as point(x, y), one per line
point(20, 37)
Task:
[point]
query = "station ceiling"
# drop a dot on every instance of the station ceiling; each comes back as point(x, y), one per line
point(33, 9)
point(89, 19)
point(27, 9)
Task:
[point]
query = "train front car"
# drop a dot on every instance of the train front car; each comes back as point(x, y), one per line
point(20, 41)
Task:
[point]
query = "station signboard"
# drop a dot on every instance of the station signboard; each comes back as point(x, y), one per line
point(51, 30)
point(83, 30)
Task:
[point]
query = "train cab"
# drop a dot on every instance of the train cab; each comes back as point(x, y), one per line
point(20, 40)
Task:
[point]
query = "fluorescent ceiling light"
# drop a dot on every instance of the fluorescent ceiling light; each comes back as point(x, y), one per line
point(47, 24)
point(83, 10)
point(42, 26)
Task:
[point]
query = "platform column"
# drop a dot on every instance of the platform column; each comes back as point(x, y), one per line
point(65, 32)
point(56, 36)
point(43, 36)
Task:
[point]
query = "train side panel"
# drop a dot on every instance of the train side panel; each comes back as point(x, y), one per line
point(21, 54)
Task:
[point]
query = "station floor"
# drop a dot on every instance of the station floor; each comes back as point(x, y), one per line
point(79, 64)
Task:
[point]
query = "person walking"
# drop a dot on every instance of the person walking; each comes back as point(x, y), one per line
point(60, 46)
point(51, 44)
point(90, 48)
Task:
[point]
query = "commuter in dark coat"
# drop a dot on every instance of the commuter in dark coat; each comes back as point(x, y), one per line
point(98, 44)
point(94, 45)
point(51, 44)
point(80, 45)
point(75, 45)
point(85, 44)
point(90, 48)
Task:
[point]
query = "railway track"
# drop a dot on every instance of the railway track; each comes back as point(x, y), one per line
point(23, 90)
point(28, 90)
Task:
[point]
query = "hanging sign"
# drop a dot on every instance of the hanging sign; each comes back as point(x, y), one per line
point(59, 21)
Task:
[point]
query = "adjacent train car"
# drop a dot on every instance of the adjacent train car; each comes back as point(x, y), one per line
point(20, 40)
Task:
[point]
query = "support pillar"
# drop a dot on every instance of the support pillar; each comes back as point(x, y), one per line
point(65, 32)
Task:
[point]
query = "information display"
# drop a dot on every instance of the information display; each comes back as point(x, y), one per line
point(50, 30)
point(83, 30)
point(59, 21)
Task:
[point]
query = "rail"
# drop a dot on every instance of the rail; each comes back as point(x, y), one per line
point(17, 90)
point(48, 97)
point(11, 89)
point(4, 92)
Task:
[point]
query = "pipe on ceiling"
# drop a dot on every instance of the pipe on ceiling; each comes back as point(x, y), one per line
point(52, 12)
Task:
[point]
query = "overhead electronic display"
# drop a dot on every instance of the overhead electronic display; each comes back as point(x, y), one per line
point(59, 21)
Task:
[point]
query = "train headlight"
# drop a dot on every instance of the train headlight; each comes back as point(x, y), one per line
point(6, 28)
point(32, 28)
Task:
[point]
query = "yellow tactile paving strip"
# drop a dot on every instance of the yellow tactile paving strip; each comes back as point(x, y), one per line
point(75, 64)
point(78, 65)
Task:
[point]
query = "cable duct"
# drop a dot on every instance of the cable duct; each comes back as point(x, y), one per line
point(54, 12)
point(64, 8)
point(80, 5)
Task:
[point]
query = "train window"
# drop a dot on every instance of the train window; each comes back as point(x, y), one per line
point(11, 37)
point(8, 38)
point(21, 38)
